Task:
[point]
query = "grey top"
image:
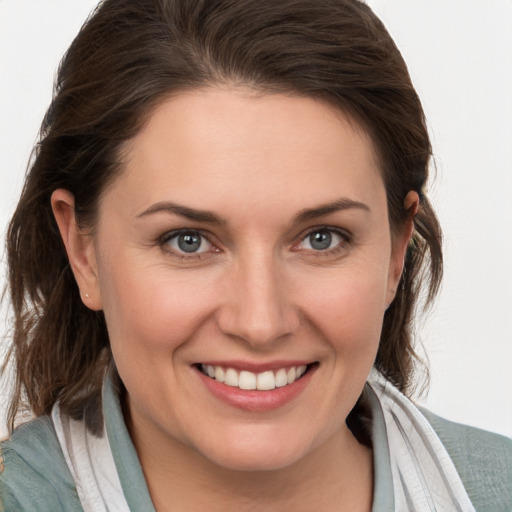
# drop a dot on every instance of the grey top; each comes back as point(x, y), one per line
point(36, 478)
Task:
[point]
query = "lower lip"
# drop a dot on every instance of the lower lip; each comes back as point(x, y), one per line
point(257, 401)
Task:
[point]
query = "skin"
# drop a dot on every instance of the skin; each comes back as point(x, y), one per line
point(257, 291)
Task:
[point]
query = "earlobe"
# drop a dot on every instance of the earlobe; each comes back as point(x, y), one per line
point(79, 247)
point(400, 243)
point(411, 205)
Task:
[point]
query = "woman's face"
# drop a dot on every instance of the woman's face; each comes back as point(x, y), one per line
point(248, 238)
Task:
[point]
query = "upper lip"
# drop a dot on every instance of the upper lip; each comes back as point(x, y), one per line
point(255, 367)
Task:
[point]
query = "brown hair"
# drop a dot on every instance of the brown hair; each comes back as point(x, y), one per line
point(127, 58)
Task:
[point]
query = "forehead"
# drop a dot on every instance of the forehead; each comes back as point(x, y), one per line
point(234, 145)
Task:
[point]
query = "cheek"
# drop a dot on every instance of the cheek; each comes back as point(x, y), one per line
point(348, 307)
point(152, 310)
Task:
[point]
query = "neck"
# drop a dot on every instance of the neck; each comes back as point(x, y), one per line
point(335, 476)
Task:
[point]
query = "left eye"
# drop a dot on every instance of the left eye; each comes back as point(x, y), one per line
point(189, 242)
point(321, 240)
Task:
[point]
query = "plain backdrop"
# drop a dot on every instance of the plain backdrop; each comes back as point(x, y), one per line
point(459, 54)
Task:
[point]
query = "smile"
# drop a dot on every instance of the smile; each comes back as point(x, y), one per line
point(246, 380)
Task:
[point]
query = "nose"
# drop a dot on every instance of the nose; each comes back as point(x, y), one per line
point(258, 307)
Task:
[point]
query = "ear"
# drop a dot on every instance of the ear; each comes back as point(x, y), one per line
point(400, 243)
point(79, 247)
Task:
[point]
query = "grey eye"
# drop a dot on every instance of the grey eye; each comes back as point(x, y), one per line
point(320, 240)
point(189, 242)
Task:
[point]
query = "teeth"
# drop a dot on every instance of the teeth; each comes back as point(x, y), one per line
point(231, 378)
point(219, 374)
point(281, 378)
point(264, 381)
point(247, 380)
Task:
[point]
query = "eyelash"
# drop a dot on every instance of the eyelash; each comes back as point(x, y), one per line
point(164, 240)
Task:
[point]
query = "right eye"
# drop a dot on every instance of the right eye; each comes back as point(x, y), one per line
point(187, 242)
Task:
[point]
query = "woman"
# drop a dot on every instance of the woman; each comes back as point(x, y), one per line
point(214, 266)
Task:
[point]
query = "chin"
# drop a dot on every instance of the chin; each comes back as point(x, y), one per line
point(254, 460)
point(257, 452)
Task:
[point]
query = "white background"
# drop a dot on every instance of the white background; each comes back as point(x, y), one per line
point(459, 54)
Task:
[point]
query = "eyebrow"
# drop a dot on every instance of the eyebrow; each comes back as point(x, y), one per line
point(343, 203)
point(183, 211)
point(211, 218)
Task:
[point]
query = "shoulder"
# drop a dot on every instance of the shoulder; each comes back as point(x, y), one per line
point(35, 476)
point(483, 461)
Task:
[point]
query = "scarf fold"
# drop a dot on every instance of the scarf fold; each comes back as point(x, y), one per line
point(91, 464)
point(424, 477)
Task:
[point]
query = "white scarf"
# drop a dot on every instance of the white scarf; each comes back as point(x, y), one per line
point(91, 464)
point(424, 477)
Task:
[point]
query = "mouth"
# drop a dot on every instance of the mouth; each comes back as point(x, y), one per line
point(267, 380)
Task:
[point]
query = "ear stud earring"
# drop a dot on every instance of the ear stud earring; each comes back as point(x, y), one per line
point(87, 296)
